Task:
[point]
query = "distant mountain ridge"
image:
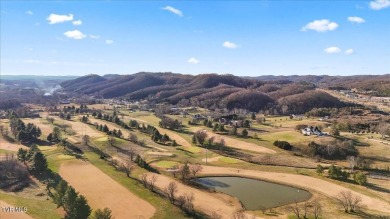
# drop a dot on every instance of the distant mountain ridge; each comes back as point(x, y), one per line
point(206, 90)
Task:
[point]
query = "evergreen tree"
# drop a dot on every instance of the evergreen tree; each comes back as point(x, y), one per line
point(22, 155)
point(119, 134)
point(59, 195)
point(253, 116)
point(244, 133)
point(39, 162)
point(105, 128)
point(82, 208)
point(102, 214)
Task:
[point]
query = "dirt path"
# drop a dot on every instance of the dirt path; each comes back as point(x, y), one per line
point(101, 191)
point(327, 188)
point(234, 143)
point(204, 201)
point(10, 146)
point(11, 215)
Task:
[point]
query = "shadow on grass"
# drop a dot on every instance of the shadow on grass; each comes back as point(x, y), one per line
point(362, 214)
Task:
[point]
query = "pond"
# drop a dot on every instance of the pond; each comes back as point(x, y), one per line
point(255, 194)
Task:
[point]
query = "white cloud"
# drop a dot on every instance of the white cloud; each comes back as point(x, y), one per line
point(29, 13)
point(320, 26)
point(193, 61)
point(379, 4)
point(349, 51)
point(94, 36)
point(229, 45)
point(56, 18)
point(173, 10)
point(76, 23)
point(332, 50)
point(74, 34)
point(355, 19)
point(109, 42)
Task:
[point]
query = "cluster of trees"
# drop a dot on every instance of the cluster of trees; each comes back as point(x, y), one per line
point(84, 119)
point(335, 172)
point(24, 133)
point(283, 145)
point(169, 123)
point(110, 118)
point(186, 171)
point(14, 175)
point(65, 116)
point(104, 128)
point(185, 201)
point(9, 104)
point(156, 136)
point(75, 110)
point(54, 136)
point(74, 204)
point(218, 127)
point(202, 139)
point(338, 173)
point(307, 208)
point(336, 149)
point(349, 201)
point(34, 159)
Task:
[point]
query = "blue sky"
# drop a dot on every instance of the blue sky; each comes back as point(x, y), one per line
point(248, 38)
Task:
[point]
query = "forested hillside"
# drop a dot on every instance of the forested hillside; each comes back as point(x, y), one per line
point(379, 85)
point(207, 90)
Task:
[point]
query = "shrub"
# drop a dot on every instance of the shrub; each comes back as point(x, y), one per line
point(283, 145)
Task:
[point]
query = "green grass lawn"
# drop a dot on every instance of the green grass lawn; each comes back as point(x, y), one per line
point(166, 164)
point(3, 151)
point(228, 160)
point(36, 208)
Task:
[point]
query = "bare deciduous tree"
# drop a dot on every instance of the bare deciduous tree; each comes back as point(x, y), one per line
point(201, 136)
point(114, 163)
point(352, 162)
point(239, 214)
point(295, 209)
point(111, 140)
point(144, 179)
point(128, 167)
point(152, 182)
point(355, 203)
point(195, 168)
point(133, 138)
point(85, 140)
point(305, 209)
point(171, 191)
point(175, 170)
point(349, 201)
point(189, 203)
point(317, 209)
